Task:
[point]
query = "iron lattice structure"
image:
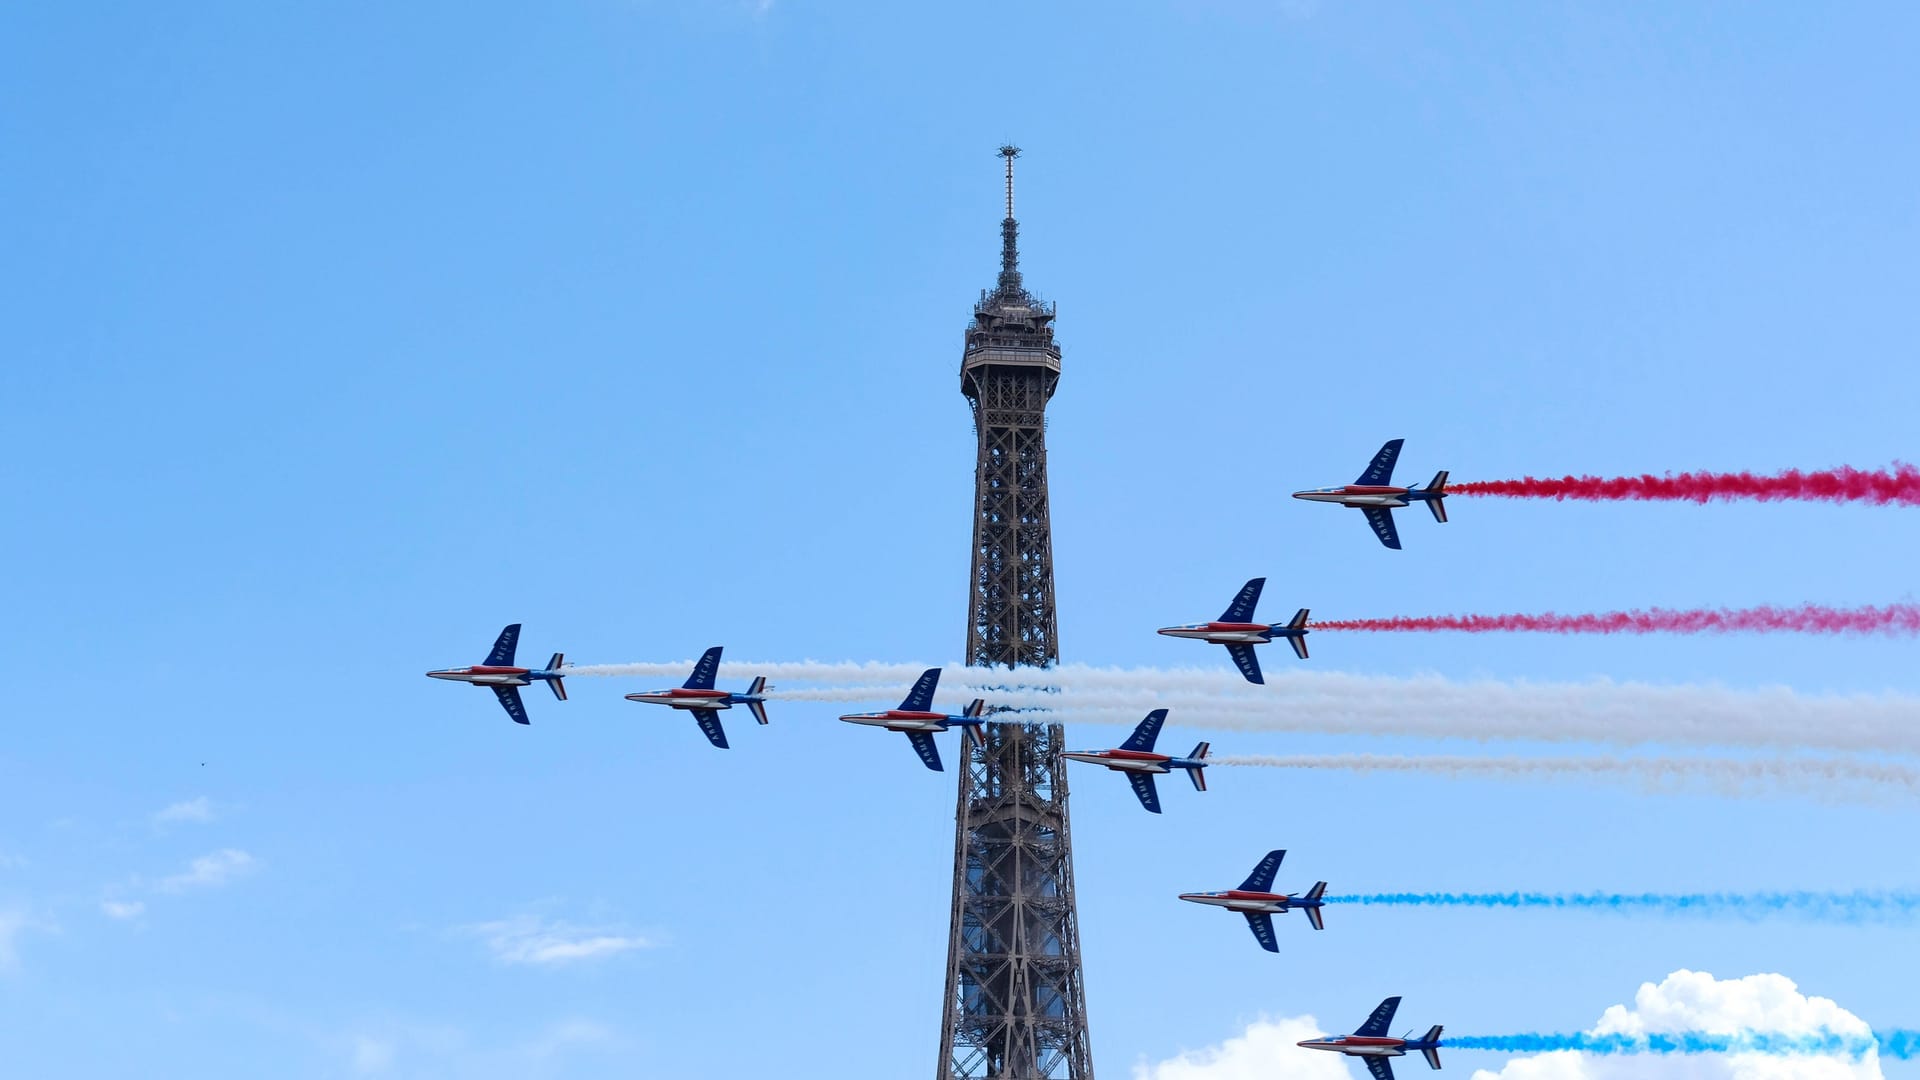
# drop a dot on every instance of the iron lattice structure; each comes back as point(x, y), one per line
point(1015, 1004)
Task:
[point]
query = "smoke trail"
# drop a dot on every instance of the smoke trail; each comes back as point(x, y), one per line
point(1431, 706)
point(1894, 619)
point(1898, 486)
point(1899, 1043)
point(1824, 777)
point(1849, 908)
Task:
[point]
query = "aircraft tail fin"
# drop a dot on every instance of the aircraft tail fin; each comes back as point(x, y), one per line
point(1438, 504)
point(1198, 774)
point(977, 709)
point(1317, 917)
point(755, 703)
point(557, 684)
point(1298, 640)
point(1432, 1049)
point(1319, 890)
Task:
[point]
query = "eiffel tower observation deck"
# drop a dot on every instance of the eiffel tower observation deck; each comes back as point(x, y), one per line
point(1015, 1006)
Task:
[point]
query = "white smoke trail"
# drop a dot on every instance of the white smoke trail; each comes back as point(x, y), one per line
point(1832, 778)
point(1431, 706)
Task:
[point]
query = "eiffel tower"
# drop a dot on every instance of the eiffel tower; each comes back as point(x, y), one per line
point(1015, 1006)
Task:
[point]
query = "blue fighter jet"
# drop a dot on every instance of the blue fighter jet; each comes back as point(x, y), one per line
point(1236, 630)
point(916, 718)
point(1373, 1045)
point(505, 680)
point(699, 697)
point(1136, 758)
point(1256, 900)
point(1374, 495)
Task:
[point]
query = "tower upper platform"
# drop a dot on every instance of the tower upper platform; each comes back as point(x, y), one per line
point(1010, 327)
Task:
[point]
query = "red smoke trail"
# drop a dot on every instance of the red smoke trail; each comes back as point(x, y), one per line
point(1894, 619)
point(1897, 486)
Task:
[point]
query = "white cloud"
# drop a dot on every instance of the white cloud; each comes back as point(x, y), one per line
point(13, 923)
point(193, 811)
point(1266, 1050)
point(1685, 1001)
point(209, 871)
point(123, 909)
point(371, 1055)
point(1696, 1001)
point(528, 939)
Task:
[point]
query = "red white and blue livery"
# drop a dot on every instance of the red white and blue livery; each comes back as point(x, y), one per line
point(500, 675)
point(1136, 759)
point(1236, 630)
point(1373, 1045)
point(1256, 900)
point(700, 698)
point(917, 718)
point(1374, 495)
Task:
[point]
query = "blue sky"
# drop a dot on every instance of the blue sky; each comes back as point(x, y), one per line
point(339, 335)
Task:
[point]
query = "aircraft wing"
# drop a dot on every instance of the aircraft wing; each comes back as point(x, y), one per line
point(510, 699)
point(1261, 924)
point(920, 698)
point(924, 746)
point(1380, 471)
point(1382, 1019)
point(1381, 1068)
point(1382, 521)
point(709, 721)
point(503, 647)
point(1147, 733)
point(1143, 787)
point(705, 670)
point(1241, 610)
point(1248, 663)
point(1262, 877)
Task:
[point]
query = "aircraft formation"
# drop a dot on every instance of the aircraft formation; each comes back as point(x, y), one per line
point(1237, 629)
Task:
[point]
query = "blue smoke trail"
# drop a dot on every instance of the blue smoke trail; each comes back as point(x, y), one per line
point(1857, 907)
point(1899, 1043)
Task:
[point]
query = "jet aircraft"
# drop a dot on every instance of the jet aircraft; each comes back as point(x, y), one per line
point(500, 675)
point(1374, 495)
point(1259, 904)
point(699, 696)
point(916, 718)
point(1236, 630)
point(1373, 1045)
point(1136, 758)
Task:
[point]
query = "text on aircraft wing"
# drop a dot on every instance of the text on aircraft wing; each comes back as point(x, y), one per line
point(1261, 880)
point(1382, 522)
point(923, 745)
point(504, 646)
point(1381, 1068)
point(1143, 787)
point(709, 721)
point(1241, 610)
point(1143, 737)
point(1261, 924)
point(705, 670)
point(1247, 662)
point(920, 698)
point(510, 700)
point(1380, 470)
point(1382, 1019)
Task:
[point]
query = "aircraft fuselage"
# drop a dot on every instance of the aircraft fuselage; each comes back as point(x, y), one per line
point(1360, 1046)
point(1225, 633)
point(1249, 903)
point(1132, 760)
point(682, 698)
point(904, 720)
point(485, 675)
point(1360, 495)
